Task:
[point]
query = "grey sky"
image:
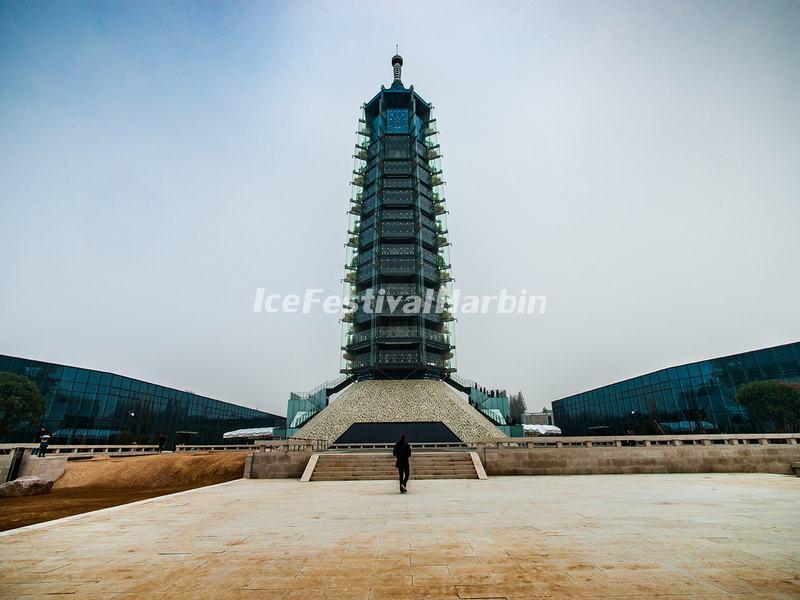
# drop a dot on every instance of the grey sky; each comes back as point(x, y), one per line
point(636, 163)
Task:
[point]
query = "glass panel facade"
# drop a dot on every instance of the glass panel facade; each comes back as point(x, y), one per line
point(397, 239)
point(92, 407)
point(693, 398)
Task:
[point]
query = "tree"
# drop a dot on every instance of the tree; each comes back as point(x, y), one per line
point(772, 401)
point(20, 400)
point(517, 407)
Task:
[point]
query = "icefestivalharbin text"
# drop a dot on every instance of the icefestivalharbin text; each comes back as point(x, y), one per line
point(377, 301)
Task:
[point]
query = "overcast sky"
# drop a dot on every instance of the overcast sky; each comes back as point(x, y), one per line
point(636, 163)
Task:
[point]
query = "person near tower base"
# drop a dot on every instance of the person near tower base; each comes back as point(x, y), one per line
point(402, 453)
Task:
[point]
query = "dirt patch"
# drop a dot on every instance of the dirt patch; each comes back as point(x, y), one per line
point(102, 482)
point(154, 471)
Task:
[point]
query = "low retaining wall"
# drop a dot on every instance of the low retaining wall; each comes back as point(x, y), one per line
point(281, 459)
point(6, 459)
point(49, 468)
point(753, 453)
point(659, 454)
point(276, 465)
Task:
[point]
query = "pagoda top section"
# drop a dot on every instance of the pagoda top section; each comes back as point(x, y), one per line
point(397, 94)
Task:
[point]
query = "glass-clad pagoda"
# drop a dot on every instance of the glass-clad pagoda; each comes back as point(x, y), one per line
point(397, 248)
point(398, 352)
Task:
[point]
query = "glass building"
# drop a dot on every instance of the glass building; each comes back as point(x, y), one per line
point(397, 243)
point(93, 407)
point(693, 398)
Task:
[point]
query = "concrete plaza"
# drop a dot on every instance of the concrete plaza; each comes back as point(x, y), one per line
point(631, 536)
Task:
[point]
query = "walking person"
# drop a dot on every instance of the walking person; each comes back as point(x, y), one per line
point(402, 452)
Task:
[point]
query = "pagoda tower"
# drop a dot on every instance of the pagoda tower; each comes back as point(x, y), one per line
point(398, 353)
point(397, 248)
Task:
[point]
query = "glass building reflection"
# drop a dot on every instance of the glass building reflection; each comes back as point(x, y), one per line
point(697, 397)
point(85, 406)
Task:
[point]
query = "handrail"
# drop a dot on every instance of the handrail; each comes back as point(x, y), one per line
point(640, 440)
point(469, 383)
point(332, 383)
point(328, 387)
point(462, 380)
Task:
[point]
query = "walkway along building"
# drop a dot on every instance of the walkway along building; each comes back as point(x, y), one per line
point(85, 406)
point(398, 350)
point(696, 397)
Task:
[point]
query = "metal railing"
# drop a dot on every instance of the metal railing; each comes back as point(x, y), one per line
point(322, 386)
point(641, 440)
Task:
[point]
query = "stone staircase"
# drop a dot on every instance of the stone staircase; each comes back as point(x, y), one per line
point(336, 466)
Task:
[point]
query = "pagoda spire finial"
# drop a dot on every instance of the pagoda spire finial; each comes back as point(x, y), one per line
point(397, 65)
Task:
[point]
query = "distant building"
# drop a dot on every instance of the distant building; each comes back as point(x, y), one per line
point(85, 406)
point(692, 398)
point(544, 417)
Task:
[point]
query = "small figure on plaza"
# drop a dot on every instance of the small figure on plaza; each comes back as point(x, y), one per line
point(402, 452)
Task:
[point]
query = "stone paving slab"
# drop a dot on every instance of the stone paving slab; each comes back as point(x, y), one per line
point(605, 536)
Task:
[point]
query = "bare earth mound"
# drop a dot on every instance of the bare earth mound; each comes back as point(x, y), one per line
point(102, 482)
point(154, 471)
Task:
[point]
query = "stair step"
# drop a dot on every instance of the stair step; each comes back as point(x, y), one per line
point(385, 466)
point(360, 455)
point(380, 467)
point(389, 457)
point(391, 460)
point(381, 478)
point(394, 471)
point(389, 464)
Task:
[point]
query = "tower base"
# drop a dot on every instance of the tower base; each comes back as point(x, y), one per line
point(426, 406)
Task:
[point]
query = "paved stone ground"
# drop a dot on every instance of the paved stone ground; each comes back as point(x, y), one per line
point(631, 536)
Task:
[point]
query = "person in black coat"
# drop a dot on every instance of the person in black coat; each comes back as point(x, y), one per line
point(402, 452)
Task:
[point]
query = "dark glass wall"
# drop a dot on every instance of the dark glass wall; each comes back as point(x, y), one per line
point(692, 398)
point(92, 407)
